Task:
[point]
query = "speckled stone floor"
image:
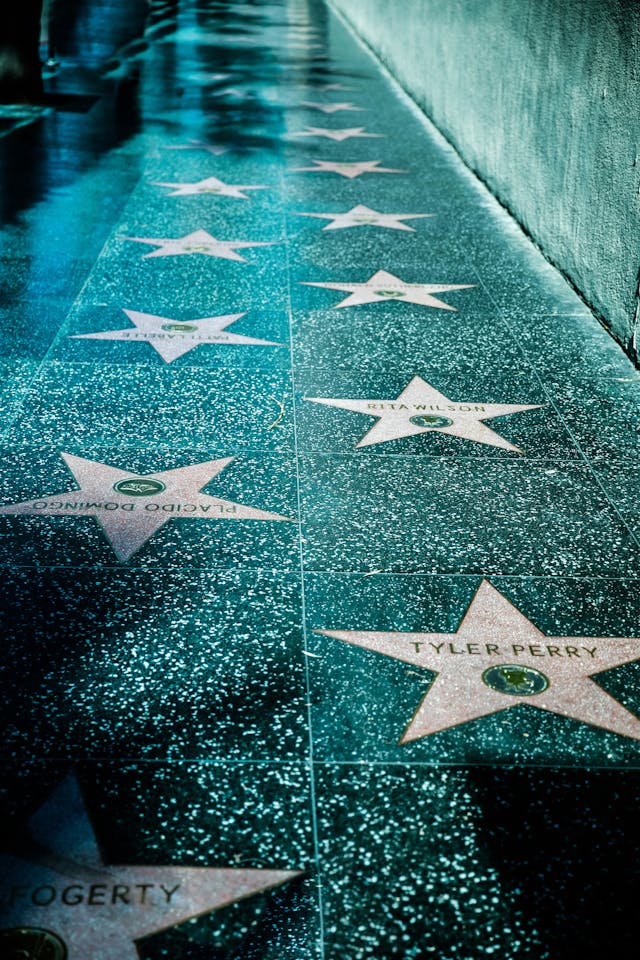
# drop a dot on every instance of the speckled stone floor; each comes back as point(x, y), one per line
point(318, 528)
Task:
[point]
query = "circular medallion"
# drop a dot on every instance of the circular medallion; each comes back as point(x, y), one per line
point(31, 943)
point(389, 293)
point(179, 327)
point(139, 487)
point(430, 420)
point(515, 680)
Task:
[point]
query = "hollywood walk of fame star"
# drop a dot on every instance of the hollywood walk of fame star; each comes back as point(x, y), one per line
point(362, 216)
point(339, 135)
point(211, 148)
point(301, 45)
point(212, 186)
point(331, 107)
point(349, 170)
point(204, 78)
point(421, 409)
point(326, 87)
point(69, 905)
point(174, 338)
point(235, 93)
point(498, 659)
point(383, 286)
point(197, 242)
point(131, 507)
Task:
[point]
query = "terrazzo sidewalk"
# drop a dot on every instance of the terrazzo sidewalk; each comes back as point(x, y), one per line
point(318, 529)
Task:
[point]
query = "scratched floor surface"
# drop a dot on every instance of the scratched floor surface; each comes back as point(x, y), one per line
point(318, 527)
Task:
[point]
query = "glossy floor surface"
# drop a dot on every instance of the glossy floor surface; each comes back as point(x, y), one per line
point(319, 526)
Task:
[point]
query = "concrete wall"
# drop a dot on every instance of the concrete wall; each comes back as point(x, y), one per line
point(542, 100)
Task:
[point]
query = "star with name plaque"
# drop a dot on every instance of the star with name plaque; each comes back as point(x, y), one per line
point(383, 287)
point(348, 169)
point(331, 107)
point(420, 408)
point(173, 338)
point(198, 242)
point(499, 659)
point(210, 186)
point(363, 216)
point(345, 133)
point(131, 507)
point(60, 901)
